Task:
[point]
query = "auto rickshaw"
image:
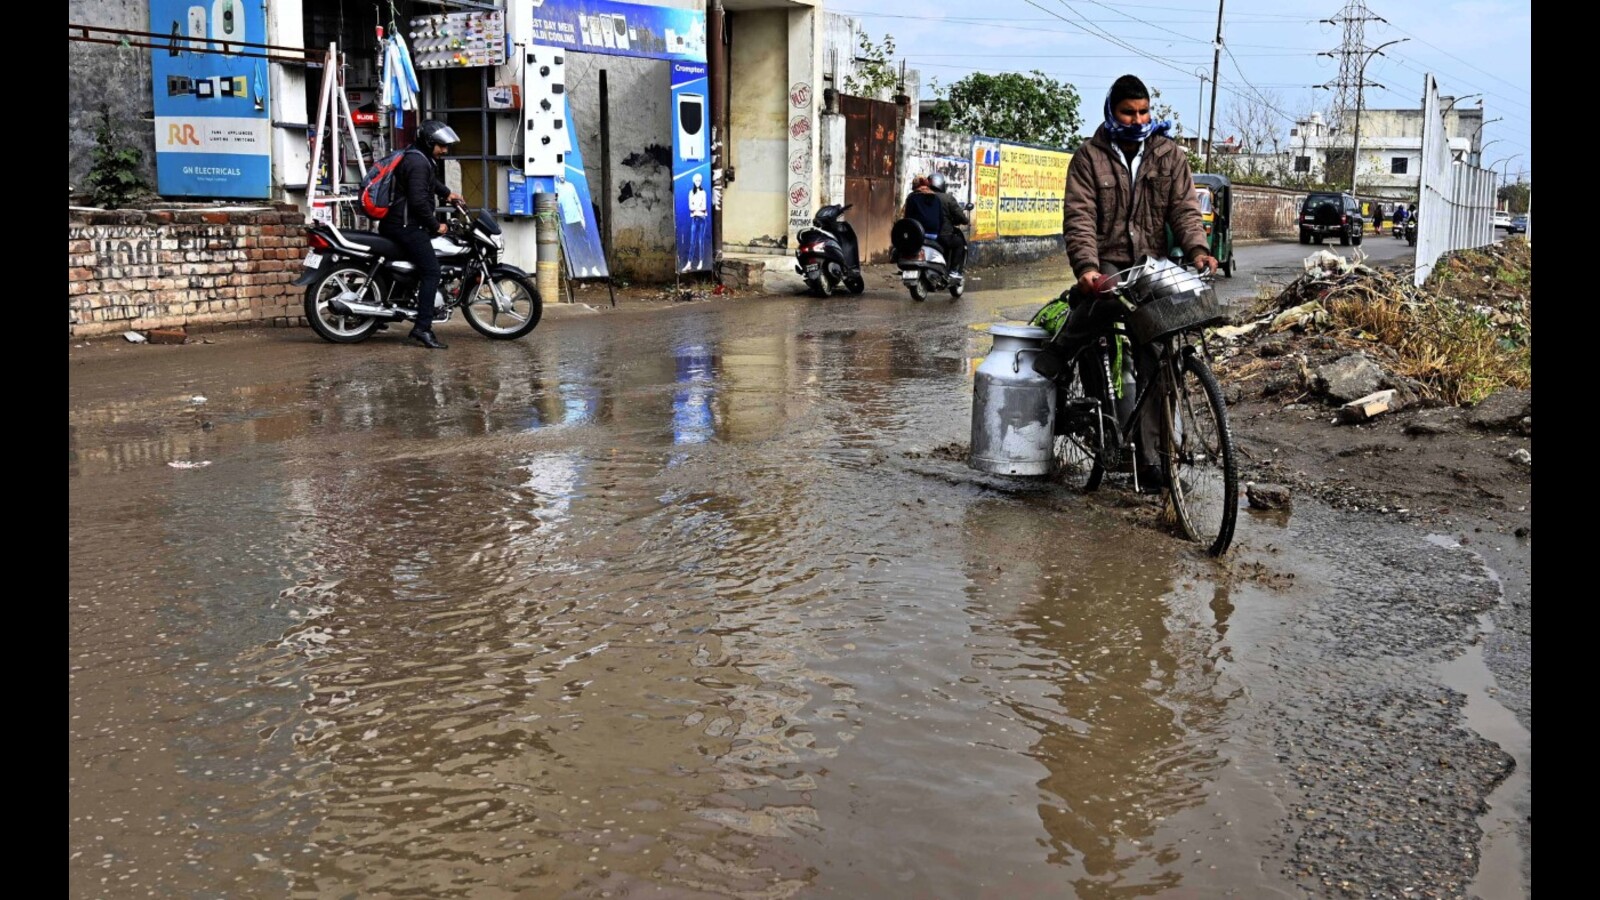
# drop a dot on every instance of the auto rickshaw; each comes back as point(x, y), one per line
point(1215, 195)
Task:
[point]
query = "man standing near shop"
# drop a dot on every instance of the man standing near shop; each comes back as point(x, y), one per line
point(413, 225)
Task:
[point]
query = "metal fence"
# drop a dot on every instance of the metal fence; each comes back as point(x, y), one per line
point(1456, 200)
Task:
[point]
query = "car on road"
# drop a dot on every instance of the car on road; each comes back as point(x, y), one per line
point(1519, 225)
point(1326, 214)
point(1502, 219)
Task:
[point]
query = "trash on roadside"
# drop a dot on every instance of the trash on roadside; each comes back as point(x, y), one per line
point(1368, 407)
point(187, 464)
point(134, 337)
point(197, 399)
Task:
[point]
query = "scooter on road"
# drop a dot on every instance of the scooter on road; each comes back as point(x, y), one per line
point(826, 254)
point(923, 267)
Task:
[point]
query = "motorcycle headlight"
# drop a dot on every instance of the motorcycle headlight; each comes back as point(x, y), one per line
point(499, 241)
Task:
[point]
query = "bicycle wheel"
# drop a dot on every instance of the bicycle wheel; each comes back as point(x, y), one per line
point(1080, 457)
point(1202, 474)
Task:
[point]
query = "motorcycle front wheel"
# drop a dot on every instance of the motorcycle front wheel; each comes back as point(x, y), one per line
point(505, 307)
point(341, 281)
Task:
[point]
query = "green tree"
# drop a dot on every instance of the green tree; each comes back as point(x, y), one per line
point(1033, 108)
point(875, 71)
point(1516, 196)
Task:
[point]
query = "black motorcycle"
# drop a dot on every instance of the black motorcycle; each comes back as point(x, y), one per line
point(1411, 231)
point(359, 281)
point(827, 255)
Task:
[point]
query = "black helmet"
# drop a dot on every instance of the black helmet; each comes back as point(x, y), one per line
point(936, 181)
point(434, 133)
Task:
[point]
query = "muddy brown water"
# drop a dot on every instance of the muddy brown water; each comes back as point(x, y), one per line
point(677, 605)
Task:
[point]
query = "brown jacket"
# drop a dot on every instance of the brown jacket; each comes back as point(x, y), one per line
point(1109, 225)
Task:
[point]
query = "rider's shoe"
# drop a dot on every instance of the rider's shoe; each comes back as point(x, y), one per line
point(427, 339)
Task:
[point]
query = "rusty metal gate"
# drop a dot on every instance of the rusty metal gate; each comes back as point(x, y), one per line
point(872, 144)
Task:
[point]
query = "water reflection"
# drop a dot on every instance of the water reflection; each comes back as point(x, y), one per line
point(1123, 704)
point(693, 421)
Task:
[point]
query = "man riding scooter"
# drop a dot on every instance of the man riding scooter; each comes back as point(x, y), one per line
point(951, 238)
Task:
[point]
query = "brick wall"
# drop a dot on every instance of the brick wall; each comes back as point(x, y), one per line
point(1265, 212)
point(137, 270)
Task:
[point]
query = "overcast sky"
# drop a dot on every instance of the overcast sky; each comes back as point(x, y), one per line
point(1271, 50)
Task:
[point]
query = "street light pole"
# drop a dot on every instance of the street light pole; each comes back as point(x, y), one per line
point(1361, 83)
point(1505, 170)
point(1479, 153)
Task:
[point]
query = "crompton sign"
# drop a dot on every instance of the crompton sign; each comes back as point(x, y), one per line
point(213, 127)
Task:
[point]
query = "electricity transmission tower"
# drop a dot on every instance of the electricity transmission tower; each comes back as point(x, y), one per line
point(1347, 88)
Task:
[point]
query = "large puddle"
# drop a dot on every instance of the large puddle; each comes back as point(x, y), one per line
point(677, 605)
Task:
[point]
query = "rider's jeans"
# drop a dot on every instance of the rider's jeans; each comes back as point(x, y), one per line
point(418, 248)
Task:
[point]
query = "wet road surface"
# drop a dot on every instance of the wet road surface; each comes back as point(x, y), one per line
point(701, 602)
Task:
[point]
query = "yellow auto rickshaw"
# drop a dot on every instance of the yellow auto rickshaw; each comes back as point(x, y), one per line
point(1215, 196)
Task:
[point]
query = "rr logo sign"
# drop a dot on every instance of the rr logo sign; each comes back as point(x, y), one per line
point(182, 134)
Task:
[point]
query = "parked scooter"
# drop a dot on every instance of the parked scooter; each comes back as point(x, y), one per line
point(923, 268)
point(357, 282)
point(827, 255)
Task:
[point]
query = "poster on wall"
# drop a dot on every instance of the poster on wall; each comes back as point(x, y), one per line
point(691, 166)
point(1033, 189)
point(622, 29)
point(985, 189)
point(957, 173)
point(580, 232)
point(213, 127)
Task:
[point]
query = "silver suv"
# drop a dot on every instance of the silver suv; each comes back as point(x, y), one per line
point(1325, 214)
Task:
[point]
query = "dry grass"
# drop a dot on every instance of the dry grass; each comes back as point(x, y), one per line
point(1464, 334)
point(1455, 349)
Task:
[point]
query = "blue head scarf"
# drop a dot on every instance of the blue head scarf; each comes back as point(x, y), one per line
point(1121, 89)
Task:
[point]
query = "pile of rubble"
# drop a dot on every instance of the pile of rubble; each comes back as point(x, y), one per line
point(1367, 341)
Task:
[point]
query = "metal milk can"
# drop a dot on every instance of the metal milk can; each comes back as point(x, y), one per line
point(1013, 409)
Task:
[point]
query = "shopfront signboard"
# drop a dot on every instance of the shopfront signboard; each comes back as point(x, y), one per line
point(213, 127)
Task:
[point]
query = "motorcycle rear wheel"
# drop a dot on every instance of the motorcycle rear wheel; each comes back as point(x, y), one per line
point(919, 290)
point(329, 325)
point(820, 286)
point(522, 306)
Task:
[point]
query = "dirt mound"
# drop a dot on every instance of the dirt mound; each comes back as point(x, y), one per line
point(1450, 360)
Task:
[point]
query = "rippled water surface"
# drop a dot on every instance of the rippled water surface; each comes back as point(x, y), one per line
point(680, 604)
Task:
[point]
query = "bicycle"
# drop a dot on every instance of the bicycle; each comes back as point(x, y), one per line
point(1159, 303)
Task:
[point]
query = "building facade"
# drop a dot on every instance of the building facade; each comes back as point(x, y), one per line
point(762, 148)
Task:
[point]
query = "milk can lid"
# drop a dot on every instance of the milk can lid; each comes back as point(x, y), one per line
point(1019, 331)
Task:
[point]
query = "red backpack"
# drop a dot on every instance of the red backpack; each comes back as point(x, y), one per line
point(378, 188)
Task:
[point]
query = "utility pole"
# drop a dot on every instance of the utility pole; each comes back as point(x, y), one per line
point(1216, 64)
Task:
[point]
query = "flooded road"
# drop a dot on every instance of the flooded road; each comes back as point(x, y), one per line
point(698, 602)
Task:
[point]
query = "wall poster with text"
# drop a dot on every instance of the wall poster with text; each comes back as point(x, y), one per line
point(213, 126)
point(985, 189)
point(1033, 189)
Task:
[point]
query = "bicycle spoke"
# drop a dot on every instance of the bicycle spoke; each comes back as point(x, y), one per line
point(1200, 463)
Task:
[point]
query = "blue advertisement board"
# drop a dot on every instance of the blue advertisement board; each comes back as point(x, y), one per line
point(213, 126)
point(621, 29)
point(580, 233)
point(691, 166)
